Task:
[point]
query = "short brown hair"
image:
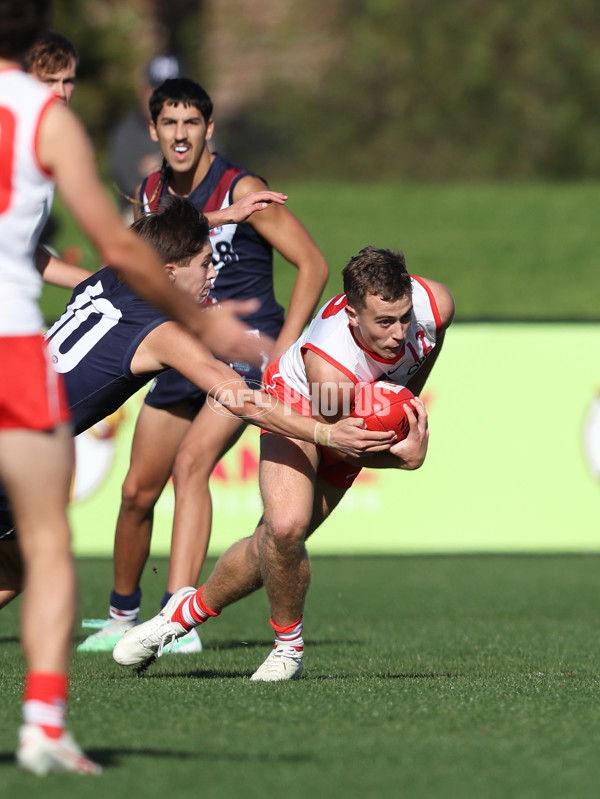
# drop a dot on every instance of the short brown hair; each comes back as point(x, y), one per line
point(49, 54)
point(376, 271)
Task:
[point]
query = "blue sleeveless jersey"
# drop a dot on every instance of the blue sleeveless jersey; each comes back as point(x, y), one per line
point(93, 342)
point(243, 261)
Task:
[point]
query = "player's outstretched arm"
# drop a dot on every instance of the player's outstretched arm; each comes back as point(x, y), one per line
point(170, 345)
point(65, 151)
point(239, 211)
point(231, 339)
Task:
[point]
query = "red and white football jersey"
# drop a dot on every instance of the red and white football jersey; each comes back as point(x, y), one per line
point(26, 193)
point(331, 337)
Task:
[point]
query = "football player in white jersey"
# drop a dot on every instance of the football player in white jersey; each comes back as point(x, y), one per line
point(42, 142)
point(386, 324)
point(53, 60)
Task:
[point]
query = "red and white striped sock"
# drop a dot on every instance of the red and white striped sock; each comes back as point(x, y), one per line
point(45, 701)
point(289, 634)
point(192, 611)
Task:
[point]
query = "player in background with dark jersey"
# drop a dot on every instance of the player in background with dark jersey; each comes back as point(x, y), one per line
point(109, 343)
point(387, 325)
point(193, 438)
point(43, 143)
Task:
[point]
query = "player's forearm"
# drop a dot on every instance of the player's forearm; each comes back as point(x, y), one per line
point(57, 272)
point(269, 413)
point(265, 411)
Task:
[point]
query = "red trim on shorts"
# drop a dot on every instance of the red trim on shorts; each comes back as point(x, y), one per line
point(337, 472)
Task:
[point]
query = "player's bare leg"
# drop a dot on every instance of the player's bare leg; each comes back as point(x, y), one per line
point(210, 436)
point(287, 475)
point(36, 470)
point(158, 434)
point(235, 576)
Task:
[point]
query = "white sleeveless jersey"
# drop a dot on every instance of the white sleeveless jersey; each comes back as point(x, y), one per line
point(26, 193)
point(331, 337)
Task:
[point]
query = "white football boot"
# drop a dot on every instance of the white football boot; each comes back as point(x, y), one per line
point(42, 755)
point(143, 641)
point(283, 663)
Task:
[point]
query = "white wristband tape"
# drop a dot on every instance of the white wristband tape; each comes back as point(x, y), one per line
point(322, 434)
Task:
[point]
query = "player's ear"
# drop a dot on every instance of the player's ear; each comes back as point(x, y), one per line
point(171, 270)
point(210, 129)
point(152, 131)
point(352, 316)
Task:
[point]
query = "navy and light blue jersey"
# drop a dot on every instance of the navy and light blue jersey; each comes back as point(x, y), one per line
point(93, 343)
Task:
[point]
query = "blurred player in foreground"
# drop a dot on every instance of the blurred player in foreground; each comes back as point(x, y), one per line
point(387, 325)
point(193, 437)
point(42, 142)
point(110, 342)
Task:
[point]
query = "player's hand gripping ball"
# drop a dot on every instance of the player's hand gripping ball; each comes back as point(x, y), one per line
point(381, 405)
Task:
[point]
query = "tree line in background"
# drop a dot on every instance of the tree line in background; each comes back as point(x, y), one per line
point(418, 89)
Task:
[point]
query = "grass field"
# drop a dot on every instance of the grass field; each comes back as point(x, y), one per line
point(505, 250)
point(425, 678)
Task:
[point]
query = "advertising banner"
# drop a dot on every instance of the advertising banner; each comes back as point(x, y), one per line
point(513, 462)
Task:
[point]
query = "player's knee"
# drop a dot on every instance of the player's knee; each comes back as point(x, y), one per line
point(190, 466)
point(136, 497)
point(287, 529)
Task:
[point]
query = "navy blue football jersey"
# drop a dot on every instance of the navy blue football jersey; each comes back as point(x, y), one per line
point(93, 342)
point(242, 258)
point(243, 261)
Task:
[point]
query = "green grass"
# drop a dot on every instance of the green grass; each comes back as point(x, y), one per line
point(526, 251)
point(425, 677)
point(505, 250)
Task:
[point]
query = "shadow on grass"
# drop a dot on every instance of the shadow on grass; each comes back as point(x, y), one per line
point(219, 674)
point(113, 757)
point(237, 644)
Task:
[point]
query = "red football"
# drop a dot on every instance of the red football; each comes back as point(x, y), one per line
point(381, 405)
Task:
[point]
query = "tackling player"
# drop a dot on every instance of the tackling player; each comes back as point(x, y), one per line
point(42, 142)
point(193, 437)
point(109, 343)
